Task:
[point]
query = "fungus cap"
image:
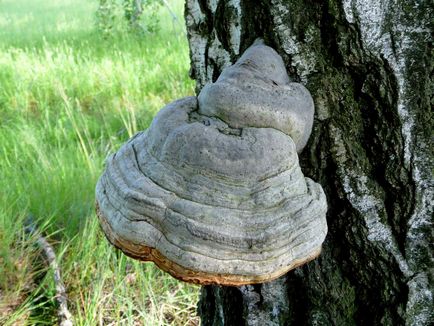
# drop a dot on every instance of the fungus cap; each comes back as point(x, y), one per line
point(212, 192)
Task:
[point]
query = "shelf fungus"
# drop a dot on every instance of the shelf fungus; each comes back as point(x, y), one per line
point(212, 192)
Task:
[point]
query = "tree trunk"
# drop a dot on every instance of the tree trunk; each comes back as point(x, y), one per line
point(369, 67)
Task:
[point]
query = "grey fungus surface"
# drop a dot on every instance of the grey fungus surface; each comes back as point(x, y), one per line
point(256, 92)
point(212, 192)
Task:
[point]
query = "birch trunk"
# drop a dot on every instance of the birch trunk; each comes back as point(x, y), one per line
point(369, 67)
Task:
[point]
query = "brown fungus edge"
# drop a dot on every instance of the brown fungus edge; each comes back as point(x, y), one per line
point(181, 273)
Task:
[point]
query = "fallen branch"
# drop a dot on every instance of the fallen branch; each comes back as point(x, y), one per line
point(65, 317)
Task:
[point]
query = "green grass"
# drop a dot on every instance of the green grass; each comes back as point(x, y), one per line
point(68, 98)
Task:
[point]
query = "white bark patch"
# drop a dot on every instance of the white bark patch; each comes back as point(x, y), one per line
point(235, 27)
point(273, 296)
point(213, 5)
point(370, 207)
point(422, 217)
point(219, 55)
point(302, 58)
point(339, 148)
point(220, 305)
point(372, 16)
point(420, 299)
point(348, 9)
point(322, 109)
point(197, 42)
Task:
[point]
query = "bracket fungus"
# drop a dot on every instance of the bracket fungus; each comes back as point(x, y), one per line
point(212, 192)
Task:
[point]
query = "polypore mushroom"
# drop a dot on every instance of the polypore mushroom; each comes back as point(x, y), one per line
point(212, 192)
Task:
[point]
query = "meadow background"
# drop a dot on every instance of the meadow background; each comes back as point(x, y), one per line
point(69, 96)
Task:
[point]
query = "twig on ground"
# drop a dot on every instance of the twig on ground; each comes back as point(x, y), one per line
point(65, 317)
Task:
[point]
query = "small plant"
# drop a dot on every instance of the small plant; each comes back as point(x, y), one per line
point(119, 16)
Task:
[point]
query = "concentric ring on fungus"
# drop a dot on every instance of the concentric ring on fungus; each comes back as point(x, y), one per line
point(212, 192)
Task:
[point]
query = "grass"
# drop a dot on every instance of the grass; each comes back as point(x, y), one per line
point(68, 98)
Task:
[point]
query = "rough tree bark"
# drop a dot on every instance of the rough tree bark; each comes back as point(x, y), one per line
point(369, 67)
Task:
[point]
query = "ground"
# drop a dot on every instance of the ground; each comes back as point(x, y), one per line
point(68, 98)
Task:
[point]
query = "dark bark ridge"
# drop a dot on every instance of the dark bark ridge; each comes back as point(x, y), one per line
point(369, 67)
